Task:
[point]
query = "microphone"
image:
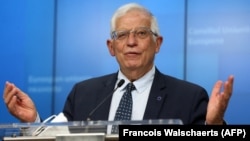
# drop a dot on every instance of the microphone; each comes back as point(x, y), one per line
point(120, 83)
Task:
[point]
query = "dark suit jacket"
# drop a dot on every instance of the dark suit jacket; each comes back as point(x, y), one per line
point(170, 98)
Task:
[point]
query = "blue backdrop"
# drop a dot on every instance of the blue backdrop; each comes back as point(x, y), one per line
point(47, 45)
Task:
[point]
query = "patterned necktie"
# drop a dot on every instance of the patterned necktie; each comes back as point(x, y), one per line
point(124, 110)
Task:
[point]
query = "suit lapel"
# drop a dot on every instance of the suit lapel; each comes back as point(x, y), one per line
point(156, 97)
point(105, 97)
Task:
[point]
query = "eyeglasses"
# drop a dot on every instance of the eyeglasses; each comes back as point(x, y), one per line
point(141, 33)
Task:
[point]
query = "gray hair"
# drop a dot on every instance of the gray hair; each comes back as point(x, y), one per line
point(132, 6)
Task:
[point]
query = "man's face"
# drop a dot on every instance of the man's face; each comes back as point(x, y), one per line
point(134, 51)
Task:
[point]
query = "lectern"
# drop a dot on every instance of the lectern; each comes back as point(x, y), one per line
point(71, 131)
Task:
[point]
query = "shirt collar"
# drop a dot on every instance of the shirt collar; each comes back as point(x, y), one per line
point(142, 83)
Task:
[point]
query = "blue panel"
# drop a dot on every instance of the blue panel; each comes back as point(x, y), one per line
point(218, 45)
point(26, 51)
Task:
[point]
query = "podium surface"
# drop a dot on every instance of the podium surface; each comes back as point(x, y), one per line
point(71, 131)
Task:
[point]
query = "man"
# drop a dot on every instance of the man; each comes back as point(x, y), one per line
point(135, 40)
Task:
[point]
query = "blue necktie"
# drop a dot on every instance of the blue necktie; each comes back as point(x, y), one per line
point(124, 110)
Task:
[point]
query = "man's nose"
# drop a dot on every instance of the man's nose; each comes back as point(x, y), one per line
point(131, 38)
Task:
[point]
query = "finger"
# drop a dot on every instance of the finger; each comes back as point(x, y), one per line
point(216, 89)
point(7, 92)
point(228, 88)
point(6, 89)
point(10, 91)
point(230, 83)
point(12, 104)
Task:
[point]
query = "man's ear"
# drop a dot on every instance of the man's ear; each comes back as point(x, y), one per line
point(159, 41)
point(110, 47)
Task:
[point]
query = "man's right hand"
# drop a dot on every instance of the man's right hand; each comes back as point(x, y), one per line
point(19, 104)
